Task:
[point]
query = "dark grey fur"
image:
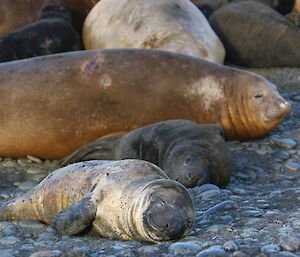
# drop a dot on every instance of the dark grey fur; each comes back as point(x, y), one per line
point(190, 153)
point(52, 33)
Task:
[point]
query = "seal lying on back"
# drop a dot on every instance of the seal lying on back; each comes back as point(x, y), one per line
point(255, 35)
point(189, 153)
point(51, 105)
point(128, 200)
point(171, 25)
point(52, 33)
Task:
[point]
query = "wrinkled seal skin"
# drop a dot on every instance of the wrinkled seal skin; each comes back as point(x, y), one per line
point(17, 13)
point(51, 105)
point(128, 200)
point(255, 35)
point(171, 25)
point(189, 153)
point(52, 33)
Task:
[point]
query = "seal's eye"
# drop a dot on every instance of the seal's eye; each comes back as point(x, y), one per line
point(258, 96)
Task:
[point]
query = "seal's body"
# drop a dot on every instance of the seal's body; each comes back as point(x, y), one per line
point(189, 153)
point(255, 35)
point(128, 200)
point(74, 98)
point(52, 33)
point(171, 25)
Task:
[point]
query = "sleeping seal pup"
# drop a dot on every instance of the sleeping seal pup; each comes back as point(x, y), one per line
point(128, 200)
point(189, 153)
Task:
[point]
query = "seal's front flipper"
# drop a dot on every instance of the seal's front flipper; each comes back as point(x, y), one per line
point(100, 149)
point(75, 218)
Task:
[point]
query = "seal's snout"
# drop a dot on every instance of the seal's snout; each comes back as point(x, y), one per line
point(195, 171)
point(277, 111)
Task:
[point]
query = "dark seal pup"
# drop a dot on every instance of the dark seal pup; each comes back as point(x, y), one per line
point(52, 105)
point(128, 200)
point(52, 33)
point(255, 35)
point(189, 153)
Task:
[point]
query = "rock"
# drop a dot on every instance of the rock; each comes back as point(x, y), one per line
point(207, 195)
point(285, 143)
point(54, 253)
point(290, 242)
point(184, 248)
point(34, 159)
point(293, 166)
point(221, 207)
point(214, 251)
point(270, 249)
point(230, 246)
point(7, 253)
point(9, 240)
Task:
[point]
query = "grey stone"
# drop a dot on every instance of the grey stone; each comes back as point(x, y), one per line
point(214, 251)
point(53, 253)
point(205, 187)
point(270, 249)
point(287, 254)
point(7, 253)
point(290, 242)
point(221, 207)
point(230, 246)
point(184, 248)
point(31, 224)
point(239, 254)
point(207, 195)
point(285, 143)
point(251, 213)
point(9, 240)
point(294, 166)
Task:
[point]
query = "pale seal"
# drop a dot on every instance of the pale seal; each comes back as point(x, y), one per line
point(171, 25)
point(189, 153)
point(128, 200)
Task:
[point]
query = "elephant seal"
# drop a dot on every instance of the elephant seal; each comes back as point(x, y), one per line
point(52, 33)
point(189, 153)
point(128, 200)
point(17, 13)
point(74, 98)
point(171, 25)
point(255, 35)
point(296, 6)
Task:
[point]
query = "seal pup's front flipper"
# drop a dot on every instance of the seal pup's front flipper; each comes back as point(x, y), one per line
point(75, 218)
point(101, 149)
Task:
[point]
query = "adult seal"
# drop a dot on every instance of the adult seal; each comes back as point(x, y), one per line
point(53, 104)
point(51, 33)
point(189, 153)
point(128, 200)
point(255, 35)
point(171, 25)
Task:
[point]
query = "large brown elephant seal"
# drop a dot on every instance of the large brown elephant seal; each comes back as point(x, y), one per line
point(128, 200)
point(51, 33)
point(189, 153)
point(53, 104)
point(17, 13)
point(171, 25)
point(296, 6)
point(255, 35)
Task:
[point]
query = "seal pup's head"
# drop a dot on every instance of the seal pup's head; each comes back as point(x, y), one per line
point(163, 211)
point(56, 11)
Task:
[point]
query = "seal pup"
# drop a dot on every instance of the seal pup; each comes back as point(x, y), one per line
point(128, 200)
point(52, 33)
point(74, 98)
point(189, 153)
point(17, 13)
point(255, 35)
point(171, 25)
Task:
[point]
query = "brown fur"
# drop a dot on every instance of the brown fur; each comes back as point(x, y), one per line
point(52, 105)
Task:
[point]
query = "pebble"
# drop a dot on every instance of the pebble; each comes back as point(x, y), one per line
point(34, 159)
point(287, 254)
point(26, 185)
point(220, 207)
point(270, 249)
point(54, 253)
point(281, 155)
point(34, 171)
point(184, 248)
point(205, 187)
point(251, 213)
point(9, 240)
point(207, 195)
point(293, 166)
point(31, 224)
point(285, 143)
point(214, 251)
point(276, 166)
point(290, 242)
point(7, 253)
point(239, 254)
point(249, 232)
point(230, 246)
